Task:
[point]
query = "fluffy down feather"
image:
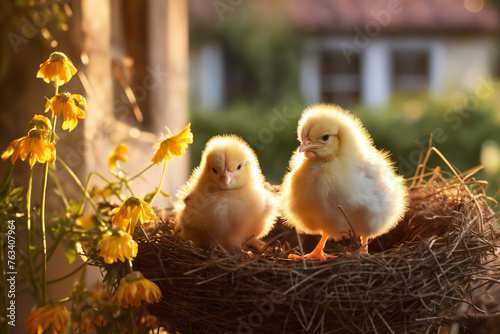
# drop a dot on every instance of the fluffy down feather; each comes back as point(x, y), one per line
point(224, 199)
point(338, 165)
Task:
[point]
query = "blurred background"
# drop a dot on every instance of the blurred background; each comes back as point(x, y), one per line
point(406, 68)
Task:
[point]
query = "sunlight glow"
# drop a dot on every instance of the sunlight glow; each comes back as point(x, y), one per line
point(490, 157)
point(474, 6)
point(413, 109)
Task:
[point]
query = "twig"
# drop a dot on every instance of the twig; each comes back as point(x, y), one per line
point(152, 246)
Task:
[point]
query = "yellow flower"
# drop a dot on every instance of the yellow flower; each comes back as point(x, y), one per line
point(57, 68)
point(86, 222)
point(34, 143)
point(105, 192)
point(117, 155)
point(134, 289)
point(150, 321)
point(42, 124)
point(118, 246)
point(99, 295)
point(71, 110)
point(173, 146)
point(43, 317)
point(91, 321)
point(132, 211)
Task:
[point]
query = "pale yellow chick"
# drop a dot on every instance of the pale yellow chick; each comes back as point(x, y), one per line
point(225, 200)
point(337, 165)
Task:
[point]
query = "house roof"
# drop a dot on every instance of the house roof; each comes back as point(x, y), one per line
point(341, 16)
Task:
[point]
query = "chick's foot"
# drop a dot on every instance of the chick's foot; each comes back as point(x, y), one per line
point(313, 256)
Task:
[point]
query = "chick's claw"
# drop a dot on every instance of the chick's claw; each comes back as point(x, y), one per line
point(257, 244)
point(314, 255)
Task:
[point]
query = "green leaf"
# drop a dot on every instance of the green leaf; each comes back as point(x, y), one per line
point(70, 252)
point(105, 329)
point(15, 192)
point(148, 197)
point(21, 3)
point(165, 194)
point(74, 207)
point(7, 182)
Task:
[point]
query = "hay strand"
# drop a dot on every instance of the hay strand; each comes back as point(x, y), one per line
point(426, 272)
point(437, 258)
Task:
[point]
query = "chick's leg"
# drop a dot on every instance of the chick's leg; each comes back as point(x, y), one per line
point(256, 243)
point(364, 245)
point(317, 253)
point(362, 249)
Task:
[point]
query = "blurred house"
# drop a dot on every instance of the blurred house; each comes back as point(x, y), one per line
point(361, 51)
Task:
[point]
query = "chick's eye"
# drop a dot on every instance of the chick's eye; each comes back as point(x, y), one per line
point(325, 137)
point(214, 170)
point(239, 167)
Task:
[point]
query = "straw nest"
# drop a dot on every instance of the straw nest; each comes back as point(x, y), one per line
point(417, 277)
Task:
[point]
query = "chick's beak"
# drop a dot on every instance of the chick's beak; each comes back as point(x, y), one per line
point(307, 145)
point(227, 176)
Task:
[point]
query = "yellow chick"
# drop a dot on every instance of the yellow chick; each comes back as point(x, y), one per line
point(338, 165)
point(225, 200)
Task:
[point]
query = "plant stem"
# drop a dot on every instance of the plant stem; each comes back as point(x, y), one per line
point(53, 248)
point(133, 321)
point(67, 275)
point(143, 171)
point(87, 184)
point(42, 209)
point(65, 300)
point(123, 181)
point(128, 188)
point(130, 267)
point(161, 182)
point(57, 184)
point(78, 183)
point(34, 280)
point(98, 174)
point(44, 238)
point(152, 247)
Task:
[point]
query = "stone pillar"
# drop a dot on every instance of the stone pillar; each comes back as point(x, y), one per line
point(168, 53)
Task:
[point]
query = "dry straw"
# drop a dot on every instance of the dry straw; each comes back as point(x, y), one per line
point(438, 258)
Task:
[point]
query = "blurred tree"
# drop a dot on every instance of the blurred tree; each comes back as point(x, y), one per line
point(23, 21)
point(29, 29)
point(262, 55)
point(494, 3)
point(130, 61)
point(459, 133)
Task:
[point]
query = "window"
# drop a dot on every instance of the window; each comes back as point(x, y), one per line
point(410, 70)
point(340, 79)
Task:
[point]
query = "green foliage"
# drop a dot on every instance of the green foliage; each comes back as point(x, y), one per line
point(70, 251)
point(262, 55)
point(459, 133)
point(270, 133)
point(9, 195)
point(268, 51)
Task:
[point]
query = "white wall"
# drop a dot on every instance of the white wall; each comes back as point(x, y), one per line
point(376, 73)
point(454, 63)
point(468, 59)
point(310, 72)
point(207, 77)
